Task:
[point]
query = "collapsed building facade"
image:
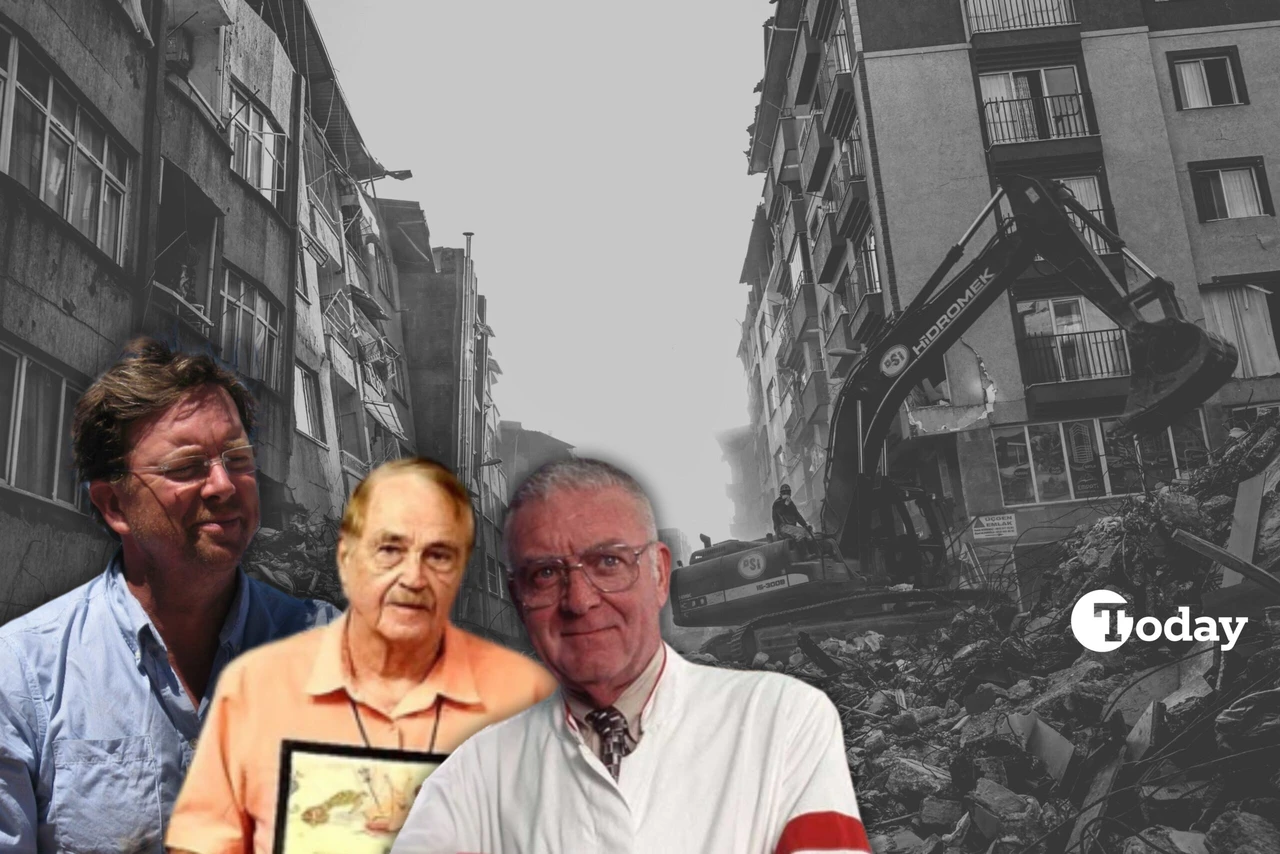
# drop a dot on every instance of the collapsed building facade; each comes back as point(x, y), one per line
point(190, 169)
point(883, 128)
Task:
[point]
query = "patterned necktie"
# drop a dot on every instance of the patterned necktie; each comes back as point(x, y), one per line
point(611, 725)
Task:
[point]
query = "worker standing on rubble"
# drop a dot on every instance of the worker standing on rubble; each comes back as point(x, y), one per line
point(639, 750)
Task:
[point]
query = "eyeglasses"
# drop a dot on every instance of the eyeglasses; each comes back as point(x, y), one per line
point(237, 461)
point(610, 569)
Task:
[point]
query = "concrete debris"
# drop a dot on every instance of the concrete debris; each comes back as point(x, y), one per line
point(300, 561)
point(939, 813)
point(995, 731)
point(1242, 833)
point(1165, 840)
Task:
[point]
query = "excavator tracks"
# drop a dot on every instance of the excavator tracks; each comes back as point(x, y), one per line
point(742, 644)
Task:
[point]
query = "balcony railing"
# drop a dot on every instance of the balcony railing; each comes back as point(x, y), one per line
point(988, 16)
point(1095, 239)
point(1039, 117)
point(1076, 356)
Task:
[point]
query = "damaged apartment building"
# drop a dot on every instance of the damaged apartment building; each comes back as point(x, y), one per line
point(882, 130)
point(190, 169)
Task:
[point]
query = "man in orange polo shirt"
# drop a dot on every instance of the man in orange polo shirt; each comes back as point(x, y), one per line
point(391, 673)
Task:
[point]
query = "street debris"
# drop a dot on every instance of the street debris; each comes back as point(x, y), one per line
point(1000, 733)
point(300, 561)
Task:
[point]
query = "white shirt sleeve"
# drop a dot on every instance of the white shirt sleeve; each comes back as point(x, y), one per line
point(451, 810)
point(820, 811)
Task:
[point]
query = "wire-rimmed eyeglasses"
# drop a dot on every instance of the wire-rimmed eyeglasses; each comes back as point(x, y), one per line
point(610, 569)
point(236, 461)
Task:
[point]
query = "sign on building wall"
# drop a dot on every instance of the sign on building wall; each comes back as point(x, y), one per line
point(995, 527)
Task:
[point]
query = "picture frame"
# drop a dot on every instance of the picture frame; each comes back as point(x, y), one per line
point(340, 797)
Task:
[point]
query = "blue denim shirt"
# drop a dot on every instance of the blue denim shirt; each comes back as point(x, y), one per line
point(96, 732)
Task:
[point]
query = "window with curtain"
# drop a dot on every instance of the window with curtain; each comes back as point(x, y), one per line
point(1206, 82)
point(1241, 315)
point(250, 330)
point(60, 152)
point(1037, 103)
point(1204, 78)
point(36, 406)
point(1230, 189)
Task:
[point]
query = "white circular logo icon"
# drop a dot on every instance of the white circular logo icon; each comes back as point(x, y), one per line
point(751, 566)
point(1101, 620)
point(895, 360)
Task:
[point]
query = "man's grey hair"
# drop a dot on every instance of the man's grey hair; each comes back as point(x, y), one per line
point(580, 473)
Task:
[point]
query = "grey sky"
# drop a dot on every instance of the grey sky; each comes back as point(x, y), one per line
point(595, 150)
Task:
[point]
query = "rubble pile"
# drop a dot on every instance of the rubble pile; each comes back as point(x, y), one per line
point(299, 561)
point(999, 733)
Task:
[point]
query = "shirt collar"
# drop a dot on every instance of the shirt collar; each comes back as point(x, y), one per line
point(452, 677)
point(633, 700)
point(656, 699)
point(136, 624)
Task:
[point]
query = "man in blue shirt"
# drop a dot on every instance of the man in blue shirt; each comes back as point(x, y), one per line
point(103, 690)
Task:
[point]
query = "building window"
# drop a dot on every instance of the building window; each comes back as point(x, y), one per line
point(1038, 103)
point(36, 406)
point(868, 269)
point(493, 576)
point(250, 329)
point(1089, 458)
point(771, 396)
point(1241, 315)
point(1231, 189)
point(258, 148)
point(61, 153)
point(307, 414)
point(1067, 339)
point(1207, 78)
point(1244, 417)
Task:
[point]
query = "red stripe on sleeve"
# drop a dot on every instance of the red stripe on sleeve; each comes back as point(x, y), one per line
point(823, 831)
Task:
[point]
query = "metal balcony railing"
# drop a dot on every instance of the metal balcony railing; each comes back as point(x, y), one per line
point(1075, 356)
point(988, 16)
point(1095, 240)
point(1039, 117)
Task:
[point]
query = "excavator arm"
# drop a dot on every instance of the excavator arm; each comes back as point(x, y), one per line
point(1176, 365)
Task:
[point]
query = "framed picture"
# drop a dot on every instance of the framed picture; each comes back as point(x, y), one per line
point(342, 798)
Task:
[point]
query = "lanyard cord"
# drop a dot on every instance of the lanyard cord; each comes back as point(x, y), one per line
point(435, 727)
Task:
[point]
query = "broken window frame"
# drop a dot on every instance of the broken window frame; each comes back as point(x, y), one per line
point(112, 162)
point(21, 463)
point(1110, 463)
point(308, 407)
point(249, 121)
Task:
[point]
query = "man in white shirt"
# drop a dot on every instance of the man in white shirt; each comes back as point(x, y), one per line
point(639, 750)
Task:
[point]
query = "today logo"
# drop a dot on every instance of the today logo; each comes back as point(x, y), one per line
point(1101, 621)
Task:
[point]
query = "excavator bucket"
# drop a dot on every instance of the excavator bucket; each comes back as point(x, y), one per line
point(1176, 367)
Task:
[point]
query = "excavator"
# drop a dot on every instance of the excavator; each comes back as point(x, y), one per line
point(886, 549)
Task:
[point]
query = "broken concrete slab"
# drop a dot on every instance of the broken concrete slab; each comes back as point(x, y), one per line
point(1236, 832)
point(1178, 801)
point(1165, 840)
point(1095, 799)
point(901, 841)
point(998, 812)
point(1042, 741)
point(910, 781)
point(1146, 733)
point(939, 813)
